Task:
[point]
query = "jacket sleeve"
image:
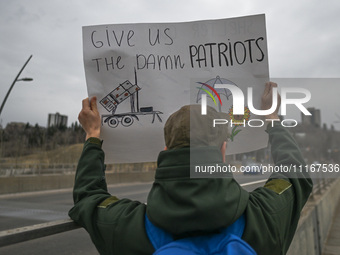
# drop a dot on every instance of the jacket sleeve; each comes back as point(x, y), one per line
point(274, 210)
point(90, 175)
point(115, 225)
point(90, 188)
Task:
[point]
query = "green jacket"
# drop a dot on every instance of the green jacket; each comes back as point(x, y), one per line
point(186, 206)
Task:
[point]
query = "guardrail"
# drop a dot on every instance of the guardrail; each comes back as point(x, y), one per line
point(18, 235)
point(319, 185)
point(68, 168)
point(36, 169)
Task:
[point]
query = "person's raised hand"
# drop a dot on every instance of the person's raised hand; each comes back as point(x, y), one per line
point(267, 100)
point(89, 118)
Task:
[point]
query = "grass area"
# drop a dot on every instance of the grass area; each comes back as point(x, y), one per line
point(63, 154)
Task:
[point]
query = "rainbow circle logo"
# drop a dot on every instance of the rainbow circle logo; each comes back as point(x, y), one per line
point(208, 92)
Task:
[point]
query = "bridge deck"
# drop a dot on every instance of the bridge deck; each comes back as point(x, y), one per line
point(332, 244)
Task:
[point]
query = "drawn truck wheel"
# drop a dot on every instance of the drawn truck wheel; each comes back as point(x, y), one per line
point(127, 121)
point(113, 122)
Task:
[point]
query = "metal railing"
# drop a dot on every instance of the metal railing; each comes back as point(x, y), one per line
point(68, 168)
point(23, 234)
point(36, 169)
point(320, 185)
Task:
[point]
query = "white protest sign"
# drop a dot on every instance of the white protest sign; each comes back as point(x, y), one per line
point(142, 73)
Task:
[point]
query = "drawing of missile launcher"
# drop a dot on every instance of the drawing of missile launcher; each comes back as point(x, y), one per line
point(124, 91)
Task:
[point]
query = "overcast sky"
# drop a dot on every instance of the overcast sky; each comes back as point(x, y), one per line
point(303, 42)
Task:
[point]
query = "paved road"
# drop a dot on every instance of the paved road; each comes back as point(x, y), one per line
point(38, 207)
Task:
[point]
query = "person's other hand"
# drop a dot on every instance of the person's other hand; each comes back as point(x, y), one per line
point(89, 118)
point(267, 100)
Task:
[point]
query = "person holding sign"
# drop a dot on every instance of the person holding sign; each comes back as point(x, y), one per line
point(185, 211)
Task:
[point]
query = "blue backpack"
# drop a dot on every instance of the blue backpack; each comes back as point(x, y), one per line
point(228, 241)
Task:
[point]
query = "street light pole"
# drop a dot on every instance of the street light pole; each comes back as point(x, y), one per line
point(15, 80)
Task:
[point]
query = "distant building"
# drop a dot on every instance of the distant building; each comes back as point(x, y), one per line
point(56, 120)
point(314, 119)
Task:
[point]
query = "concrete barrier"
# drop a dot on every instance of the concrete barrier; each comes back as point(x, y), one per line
point(315, 222)
point(17, 184)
